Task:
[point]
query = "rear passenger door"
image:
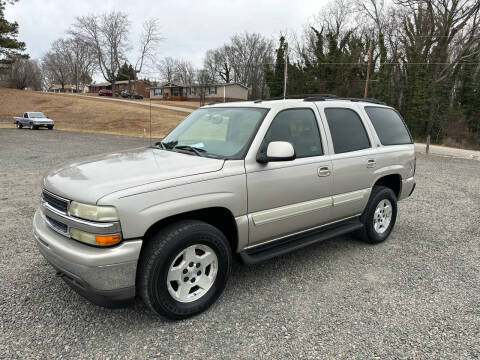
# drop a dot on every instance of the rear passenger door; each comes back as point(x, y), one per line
point(354, 159)
point(286, 197)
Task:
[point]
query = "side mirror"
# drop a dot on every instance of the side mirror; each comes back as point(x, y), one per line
point(277, 151)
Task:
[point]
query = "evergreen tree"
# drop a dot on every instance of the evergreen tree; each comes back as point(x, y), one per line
point(469, 92)
point(10, 47)
point(382, 91)
point(274, 77)
point(126, 72)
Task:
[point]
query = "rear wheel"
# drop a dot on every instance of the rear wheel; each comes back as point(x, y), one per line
point(183, 269)
point(19, 126)
point(379, 216)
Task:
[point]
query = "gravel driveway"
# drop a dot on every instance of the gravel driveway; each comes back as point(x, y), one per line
point(415, 296)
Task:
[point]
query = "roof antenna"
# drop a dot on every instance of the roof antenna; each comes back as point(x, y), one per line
point(150, 141)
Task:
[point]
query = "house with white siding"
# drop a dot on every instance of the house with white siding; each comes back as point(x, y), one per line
point(213, 92)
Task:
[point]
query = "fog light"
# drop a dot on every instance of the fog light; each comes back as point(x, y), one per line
point(94, 239)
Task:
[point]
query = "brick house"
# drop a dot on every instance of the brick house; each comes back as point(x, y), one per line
point(141, 86)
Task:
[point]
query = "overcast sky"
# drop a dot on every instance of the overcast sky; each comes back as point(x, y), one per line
point(190, 27)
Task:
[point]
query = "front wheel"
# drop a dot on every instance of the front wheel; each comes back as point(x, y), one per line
point(33, 127)
point(183, 269)
point(50, 127)
point(379, 216)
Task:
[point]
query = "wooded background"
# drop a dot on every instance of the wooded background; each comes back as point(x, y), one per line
point(425, 60)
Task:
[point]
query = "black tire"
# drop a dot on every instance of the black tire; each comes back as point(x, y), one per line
point(19, 125)
point(33, 127)
point(368, 233)
point(50, 127)
point(161, 250)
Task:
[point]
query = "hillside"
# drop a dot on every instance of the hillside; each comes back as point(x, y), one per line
point(88, 114)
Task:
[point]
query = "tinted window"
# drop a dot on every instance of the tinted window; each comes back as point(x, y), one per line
point(389, 126)
point(299, 127)
point(346, 128)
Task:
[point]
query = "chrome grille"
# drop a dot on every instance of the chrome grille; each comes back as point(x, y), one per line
point(57, 225)
point(55, 202)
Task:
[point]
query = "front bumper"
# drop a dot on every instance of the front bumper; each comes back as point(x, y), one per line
point(105, 276)
point(42, 123)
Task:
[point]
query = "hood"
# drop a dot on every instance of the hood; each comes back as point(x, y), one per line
point(90, 179)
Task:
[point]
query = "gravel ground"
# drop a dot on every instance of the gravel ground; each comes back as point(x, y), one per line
point(415, 296)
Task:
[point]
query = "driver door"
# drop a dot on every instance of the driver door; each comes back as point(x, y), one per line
point(286, 197)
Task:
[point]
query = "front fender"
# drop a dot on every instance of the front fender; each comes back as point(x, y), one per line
point(139, 212)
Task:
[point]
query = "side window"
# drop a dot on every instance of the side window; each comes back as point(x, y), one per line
point(346, 128)
point(390, 128)
point(25, 115)
point(300, 128)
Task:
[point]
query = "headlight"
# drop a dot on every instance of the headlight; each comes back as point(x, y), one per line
point(93, 239)
point(93, 212)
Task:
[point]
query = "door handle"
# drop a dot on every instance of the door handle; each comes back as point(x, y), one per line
point(371, 163)
point(323, 171)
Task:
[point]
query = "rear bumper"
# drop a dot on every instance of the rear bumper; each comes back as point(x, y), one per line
point(105, 276)
point(408, 185)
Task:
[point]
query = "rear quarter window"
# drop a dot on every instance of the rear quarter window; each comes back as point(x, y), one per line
point(388, 124)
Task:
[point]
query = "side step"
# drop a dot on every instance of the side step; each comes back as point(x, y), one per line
point(282, 246)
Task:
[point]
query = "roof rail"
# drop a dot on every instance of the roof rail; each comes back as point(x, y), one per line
point(324, 98)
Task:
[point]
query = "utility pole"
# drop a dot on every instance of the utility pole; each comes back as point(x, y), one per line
point(370, 49)
point(285, 75)
point(76, 78)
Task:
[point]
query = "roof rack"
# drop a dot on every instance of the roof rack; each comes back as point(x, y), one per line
point(323, 98)
point(296, 96)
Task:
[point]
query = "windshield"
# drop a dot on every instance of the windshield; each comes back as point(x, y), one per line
point(224, 132)
point(36, 115)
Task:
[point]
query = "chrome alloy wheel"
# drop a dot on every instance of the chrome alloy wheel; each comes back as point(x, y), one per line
point(382, 216)
point(192, 273)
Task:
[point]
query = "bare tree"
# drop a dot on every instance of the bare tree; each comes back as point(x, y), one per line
point(247, 53)
point(184, 72)
point(108, 35)
point(167, 67)
point(203, 79)
point(217, 63)
point(69, 60)
point(82, 60)
point(55, 64)
point(148, 44)
point(25, 73)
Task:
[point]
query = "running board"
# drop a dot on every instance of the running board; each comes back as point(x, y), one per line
point(283, 246)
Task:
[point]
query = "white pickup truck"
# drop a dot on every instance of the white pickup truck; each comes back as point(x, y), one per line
point(33, 120)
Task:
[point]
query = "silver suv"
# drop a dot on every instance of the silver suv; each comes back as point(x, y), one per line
point(258, 179)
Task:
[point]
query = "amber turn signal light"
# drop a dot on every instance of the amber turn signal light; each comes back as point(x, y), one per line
point(107, 239)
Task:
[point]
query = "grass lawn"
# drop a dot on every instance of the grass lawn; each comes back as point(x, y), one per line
point(88, 114)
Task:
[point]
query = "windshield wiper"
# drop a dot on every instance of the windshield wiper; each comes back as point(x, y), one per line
point(195, 150)
point(161, 144)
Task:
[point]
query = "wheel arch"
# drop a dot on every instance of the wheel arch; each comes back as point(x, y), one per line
point(220, 217)
point(391, 181)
